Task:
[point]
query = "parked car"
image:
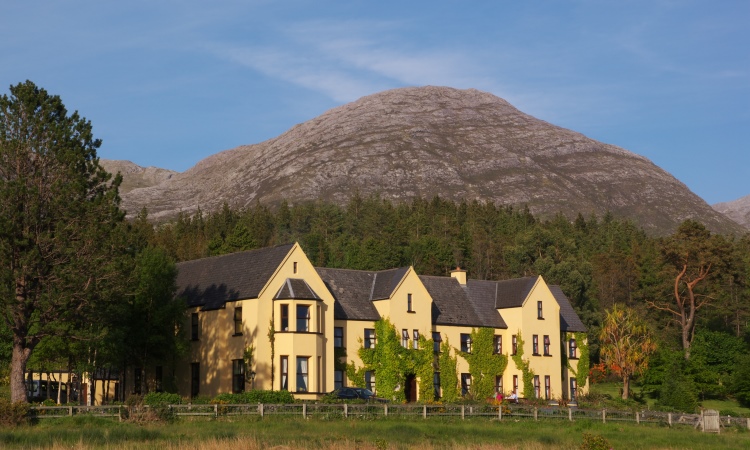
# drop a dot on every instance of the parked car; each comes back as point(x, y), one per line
point(355, 393)
point(366, 394)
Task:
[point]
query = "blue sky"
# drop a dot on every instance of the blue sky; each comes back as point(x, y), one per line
point(168, 83)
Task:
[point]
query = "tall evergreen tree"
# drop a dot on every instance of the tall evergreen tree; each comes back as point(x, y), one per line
point(59, 223)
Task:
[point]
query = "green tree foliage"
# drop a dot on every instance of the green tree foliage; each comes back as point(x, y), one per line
point(151, 318)
point(60, 225)
point(714, 357)
point(741, 380)
point(626, 344)
point(448, 373)
point(678, 390)
point(693, 256)
point(484, 363)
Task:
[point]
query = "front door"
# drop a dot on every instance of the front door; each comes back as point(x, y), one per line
point(411, 388)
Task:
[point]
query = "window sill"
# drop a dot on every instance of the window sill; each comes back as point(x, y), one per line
point(572, 357)
point(540, 318)
point(411, 312)
point(535, 354)
point(548, 355)
point(237, 334)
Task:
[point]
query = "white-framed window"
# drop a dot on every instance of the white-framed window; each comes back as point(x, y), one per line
point(465, 342)
point(415, 341)
point(303, 384)
point(405, 338)
point(370, 338)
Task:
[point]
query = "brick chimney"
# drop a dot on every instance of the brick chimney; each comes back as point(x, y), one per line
point(459, 275)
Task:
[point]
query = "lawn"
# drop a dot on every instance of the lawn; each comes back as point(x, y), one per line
point(725, 407)
point(296, 433)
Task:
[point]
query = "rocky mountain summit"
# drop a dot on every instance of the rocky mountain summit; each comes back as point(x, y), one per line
point(135, 176)
point(427, 141)
point(737, 210)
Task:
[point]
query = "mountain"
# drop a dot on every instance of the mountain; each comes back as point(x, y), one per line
point(427, 141)
point(135, 176)
point(737, 210)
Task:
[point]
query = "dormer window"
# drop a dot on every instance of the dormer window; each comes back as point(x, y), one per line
point(539, 312)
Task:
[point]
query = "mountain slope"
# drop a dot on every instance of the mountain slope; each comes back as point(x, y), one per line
point(459, 144)
point(135, 176)
point(737, 210)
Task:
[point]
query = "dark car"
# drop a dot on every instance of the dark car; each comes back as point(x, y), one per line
point(366, 394)
point(356, 393)
point(345, 394)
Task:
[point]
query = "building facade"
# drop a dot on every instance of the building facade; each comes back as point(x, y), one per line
point(268, 319)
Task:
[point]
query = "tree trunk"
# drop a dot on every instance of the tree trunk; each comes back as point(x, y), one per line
point(625, 386)
point(17, 370)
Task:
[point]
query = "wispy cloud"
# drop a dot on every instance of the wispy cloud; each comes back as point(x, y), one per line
point(346, 60)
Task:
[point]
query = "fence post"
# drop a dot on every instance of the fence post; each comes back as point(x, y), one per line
point(216, 411)
point(604, 415)
point(500, 412)
point(346, 410)
point(385, 409)
point(463, 412)
point(70, 411)
point(260, 406)
point(570, 414)
point(669, 419)
point(304, 410)
point(424, 411)
point(637, 417)
point(536, 417)
point(119, 413)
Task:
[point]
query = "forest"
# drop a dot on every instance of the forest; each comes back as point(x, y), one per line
point(692, 288)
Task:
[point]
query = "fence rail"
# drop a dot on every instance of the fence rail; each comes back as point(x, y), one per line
point(384, 410)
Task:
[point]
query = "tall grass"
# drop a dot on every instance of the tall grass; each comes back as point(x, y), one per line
point(298, 433)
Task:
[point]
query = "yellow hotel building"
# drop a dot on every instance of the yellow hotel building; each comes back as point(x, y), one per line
point(236, 300)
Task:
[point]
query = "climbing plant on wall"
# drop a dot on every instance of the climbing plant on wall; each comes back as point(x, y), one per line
point(523, 365)
point(581, 371)
point(448, 373)
point(484, 363)
point(391, 363)
point(422, 361)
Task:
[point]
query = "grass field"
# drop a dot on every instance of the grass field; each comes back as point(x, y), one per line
point(730, 407)
point(281, 433)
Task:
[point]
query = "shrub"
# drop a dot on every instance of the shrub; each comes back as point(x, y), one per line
point(161, 398)
point(13, 414)
point(254, 396)
point(678, 390)
point(595, 442)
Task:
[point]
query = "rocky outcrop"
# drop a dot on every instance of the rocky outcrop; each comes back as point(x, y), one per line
point(737, 210)
point(135, 176)
point(427, 141)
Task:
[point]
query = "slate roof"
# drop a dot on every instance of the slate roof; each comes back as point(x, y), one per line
point(512, 293)
point(450, 302)
point(569, 320)
point(355, 290)
point(211, 282)
point(296, 289)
